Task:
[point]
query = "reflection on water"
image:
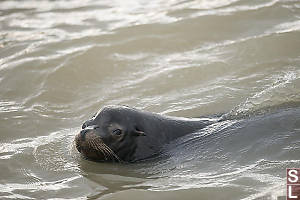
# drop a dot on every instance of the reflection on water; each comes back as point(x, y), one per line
point(60, 61)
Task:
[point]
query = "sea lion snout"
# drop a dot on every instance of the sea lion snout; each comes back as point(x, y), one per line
point(92, 146)
point(85, 138)
point(83, 133)
point(78, 142)
point(85, 130)
point(87, 123)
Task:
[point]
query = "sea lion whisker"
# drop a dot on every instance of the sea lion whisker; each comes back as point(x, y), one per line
point(89, 144)
point(115, 155)
point(96, 146)
point(108, 152)
point(112, 152)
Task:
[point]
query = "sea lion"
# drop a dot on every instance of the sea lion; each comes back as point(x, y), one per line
point(124, 134)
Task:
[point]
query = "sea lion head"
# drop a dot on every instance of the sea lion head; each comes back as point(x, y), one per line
point(110, 135)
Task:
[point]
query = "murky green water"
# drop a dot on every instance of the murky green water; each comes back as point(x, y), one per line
point(60, 61)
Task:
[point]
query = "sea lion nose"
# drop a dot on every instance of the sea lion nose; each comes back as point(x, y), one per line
point(87, 123)
point(83, 133)
point(84, 125)
point(85, 130)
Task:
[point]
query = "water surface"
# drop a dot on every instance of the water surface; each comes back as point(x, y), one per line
point(60, 61)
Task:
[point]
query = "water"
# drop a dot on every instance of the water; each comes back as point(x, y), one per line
point(60, 61)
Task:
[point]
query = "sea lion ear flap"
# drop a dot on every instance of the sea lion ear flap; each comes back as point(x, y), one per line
point(138, 132)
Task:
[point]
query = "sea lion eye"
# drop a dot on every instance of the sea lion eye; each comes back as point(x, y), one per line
point(117, 132)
